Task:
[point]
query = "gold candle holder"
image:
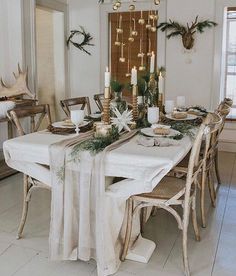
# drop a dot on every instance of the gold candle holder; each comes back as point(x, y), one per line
point(161, 102)
point(135, 102)
point(106, 106)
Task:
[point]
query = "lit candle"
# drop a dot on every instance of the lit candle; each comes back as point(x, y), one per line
point(107, 78)
point(134, 76)
point(161, 84)
point(152, 64)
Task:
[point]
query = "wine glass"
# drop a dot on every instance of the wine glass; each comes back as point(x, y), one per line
point(77, 118)
point(153, 115)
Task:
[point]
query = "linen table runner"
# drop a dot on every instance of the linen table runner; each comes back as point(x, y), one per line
point(78, 204)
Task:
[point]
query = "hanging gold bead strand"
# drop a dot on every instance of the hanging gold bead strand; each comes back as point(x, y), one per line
point(117, 42)
point(141, 20)
point(119, 29)
point(122, 58)
point(131, 39)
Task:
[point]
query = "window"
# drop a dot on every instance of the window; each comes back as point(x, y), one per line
point(230, 59)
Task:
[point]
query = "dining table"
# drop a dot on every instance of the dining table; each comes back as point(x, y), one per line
point(139, 168)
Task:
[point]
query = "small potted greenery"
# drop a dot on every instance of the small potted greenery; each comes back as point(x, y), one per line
point(117, 100)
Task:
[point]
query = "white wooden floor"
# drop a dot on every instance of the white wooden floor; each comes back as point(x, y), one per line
point(214, 255)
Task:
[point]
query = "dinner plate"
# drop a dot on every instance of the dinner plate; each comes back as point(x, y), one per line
point(95, 115)
point(189, 117)
point(149, 132)
point(66, 125)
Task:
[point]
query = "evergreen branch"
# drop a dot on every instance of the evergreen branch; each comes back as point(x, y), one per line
point(205, 24)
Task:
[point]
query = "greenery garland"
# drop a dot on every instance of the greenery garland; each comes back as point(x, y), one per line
point(95, 144)
point(85, 42)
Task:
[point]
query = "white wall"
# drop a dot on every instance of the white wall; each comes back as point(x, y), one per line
point(85, 70)
point(196, 80)
point(10, 45)
point(192, 80)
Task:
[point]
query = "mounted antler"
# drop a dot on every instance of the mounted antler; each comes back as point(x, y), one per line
point(186, 32)
point(19, 88)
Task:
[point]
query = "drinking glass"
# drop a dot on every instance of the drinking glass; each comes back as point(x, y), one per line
point(153, 115)
point(77, 118)
point(169, 106)
point(181, 101)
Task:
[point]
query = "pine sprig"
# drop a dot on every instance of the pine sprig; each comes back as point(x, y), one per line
point(205, 24)
point(96, 144)
point(116, 86)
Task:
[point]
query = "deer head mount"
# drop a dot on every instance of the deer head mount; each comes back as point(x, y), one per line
point(186, 32)
point(19, 88)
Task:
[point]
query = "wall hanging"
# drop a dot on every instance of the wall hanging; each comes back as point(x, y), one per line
point(186, 32)
point(87, 38)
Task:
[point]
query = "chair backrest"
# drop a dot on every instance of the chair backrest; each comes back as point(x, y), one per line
point(99, 98)
point(228, 101)
point(80, 101)
point(197, 159)
point(223, 110)
point(31, 111)
point(213, 139)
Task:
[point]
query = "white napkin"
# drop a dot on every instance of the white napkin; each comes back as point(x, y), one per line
point(4, 107)
point(159, 142)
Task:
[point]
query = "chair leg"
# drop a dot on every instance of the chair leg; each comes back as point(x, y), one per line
point(202, 195)
point(143, 219)
point(211, 188)
point(216, 163)
point(25, 208)
point(128, 228)
point(194, 220)
point(185, 247)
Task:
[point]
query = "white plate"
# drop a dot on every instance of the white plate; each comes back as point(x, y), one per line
point(149, 132)
point(96, 115)
point(189, 117)
point(63, 125)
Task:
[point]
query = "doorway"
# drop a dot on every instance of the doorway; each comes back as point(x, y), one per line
point(50, 59)
point(45, 24)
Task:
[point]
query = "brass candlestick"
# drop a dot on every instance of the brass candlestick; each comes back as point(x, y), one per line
point(106, 106)
point(135, 102)
point(161, 102)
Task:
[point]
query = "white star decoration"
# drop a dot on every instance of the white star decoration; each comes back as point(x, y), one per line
point(122, 120)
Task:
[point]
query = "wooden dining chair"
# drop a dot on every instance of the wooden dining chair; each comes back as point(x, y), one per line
point(170, 192)
point(209, 162)
point(99, 98)
point(30, 184)
point(82, 102)
point(223, 110)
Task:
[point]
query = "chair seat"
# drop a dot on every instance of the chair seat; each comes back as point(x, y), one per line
point(166, 189)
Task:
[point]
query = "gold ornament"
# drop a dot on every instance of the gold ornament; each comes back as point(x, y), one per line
point(134, 32)
point(141, 21)
point(131, 7)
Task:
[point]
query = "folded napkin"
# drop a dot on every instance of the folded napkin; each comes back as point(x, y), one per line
point(159, 142)
point(4, 107)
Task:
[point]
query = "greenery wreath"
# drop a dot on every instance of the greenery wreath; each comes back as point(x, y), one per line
point(85, 42)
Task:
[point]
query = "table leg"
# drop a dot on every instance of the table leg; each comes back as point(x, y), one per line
point(141, 251)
